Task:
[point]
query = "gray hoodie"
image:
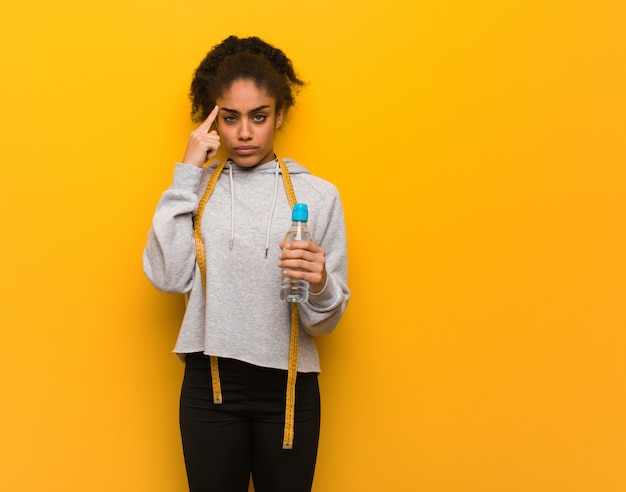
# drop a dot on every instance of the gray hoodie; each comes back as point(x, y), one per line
point(247, 216)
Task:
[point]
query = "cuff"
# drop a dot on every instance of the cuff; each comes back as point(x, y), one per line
point(324, 297)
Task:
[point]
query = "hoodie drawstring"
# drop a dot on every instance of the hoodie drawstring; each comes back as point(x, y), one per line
point(292, 371)
point(232, 207)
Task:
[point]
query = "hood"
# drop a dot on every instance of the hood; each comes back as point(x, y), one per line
point(273, 168)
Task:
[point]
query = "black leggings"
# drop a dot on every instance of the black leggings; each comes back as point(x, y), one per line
point(225, 444)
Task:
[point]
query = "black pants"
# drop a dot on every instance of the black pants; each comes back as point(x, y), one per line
point(225, 444)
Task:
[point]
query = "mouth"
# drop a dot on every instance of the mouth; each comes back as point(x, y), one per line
point(245, 150)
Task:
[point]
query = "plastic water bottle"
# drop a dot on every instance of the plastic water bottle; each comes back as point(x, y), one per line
point(293, 290)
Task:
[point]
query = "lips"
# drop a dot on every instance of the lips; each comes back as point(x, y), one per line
point(245, 150)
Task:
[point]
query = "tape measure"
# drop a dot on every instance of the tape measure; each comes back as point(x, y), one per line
point(292, 366)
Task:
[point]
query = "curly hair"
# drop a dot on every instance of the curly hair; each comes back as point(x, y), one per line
point(243, 59)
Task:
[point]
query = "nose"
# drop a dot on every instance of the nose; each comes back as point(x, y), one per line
point(245, 130)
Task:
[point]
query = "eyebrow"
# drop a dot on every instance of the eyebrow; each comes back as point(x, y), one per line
point(234, 111)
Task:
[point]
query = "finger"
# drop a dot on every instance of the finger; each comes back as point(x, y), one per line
point(306, 245)
point(295, 259)
point(301, 265)
point(206, 124)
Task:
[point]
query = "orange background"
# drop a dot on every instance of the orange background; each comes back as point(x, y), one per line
point(479, 148)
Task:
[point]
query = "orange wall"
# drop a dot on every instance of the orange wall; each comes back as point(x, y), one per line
point(480, 150)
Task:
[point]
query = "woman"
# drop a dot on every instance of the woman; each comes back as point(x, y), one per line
point(215, 234)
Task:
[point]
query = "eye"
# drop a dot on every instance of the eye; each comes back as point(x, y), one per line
point(229, 119)
point(259, 118)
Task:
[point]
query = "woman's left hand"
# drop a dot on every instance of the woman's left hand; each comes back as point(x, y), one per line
point(304, 260)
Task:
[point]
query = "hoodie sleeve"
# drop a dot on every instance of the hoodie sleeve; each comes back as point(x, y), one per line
point(169, 257)
point(321, 313)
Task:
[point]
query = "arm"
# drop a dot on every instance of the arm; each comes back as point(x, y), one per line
point(169, 257)
point(324, 266)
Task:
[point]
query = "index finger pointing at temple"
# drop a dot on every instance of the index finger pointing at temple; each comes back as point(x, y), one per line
point(205, 126)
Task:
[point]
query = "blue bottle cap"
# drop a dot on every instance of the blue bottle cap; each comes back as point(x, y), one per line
point(300, 212)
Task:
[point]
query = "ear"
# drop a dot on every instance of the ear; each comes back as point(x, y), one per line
point(279, 118)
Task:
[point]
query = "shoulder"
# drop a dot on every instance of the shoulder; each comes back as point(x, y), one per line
point(207, 171)
point(320, 195)
point(303, 177)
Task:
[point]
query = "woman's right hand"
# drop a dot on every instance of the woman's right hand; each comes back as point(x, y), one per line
point(202, 144)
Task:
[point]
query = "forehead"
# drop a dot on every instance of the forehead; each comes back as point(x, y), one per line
point(245, 95)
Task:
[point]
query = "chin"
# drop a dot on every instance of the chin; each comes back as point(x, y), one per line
point(246, 161)
point(251, 160)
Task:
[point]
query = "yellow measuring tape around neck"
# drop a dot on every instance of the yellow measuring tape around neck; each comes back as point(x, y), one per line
point(292, 370)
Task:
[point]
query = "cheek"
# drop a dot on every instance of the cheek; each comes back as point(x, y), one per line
point(268, 134)
point(226, 135)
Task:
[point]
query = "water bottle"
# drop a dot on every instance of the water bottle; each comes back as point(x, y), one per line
point(292, 290)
